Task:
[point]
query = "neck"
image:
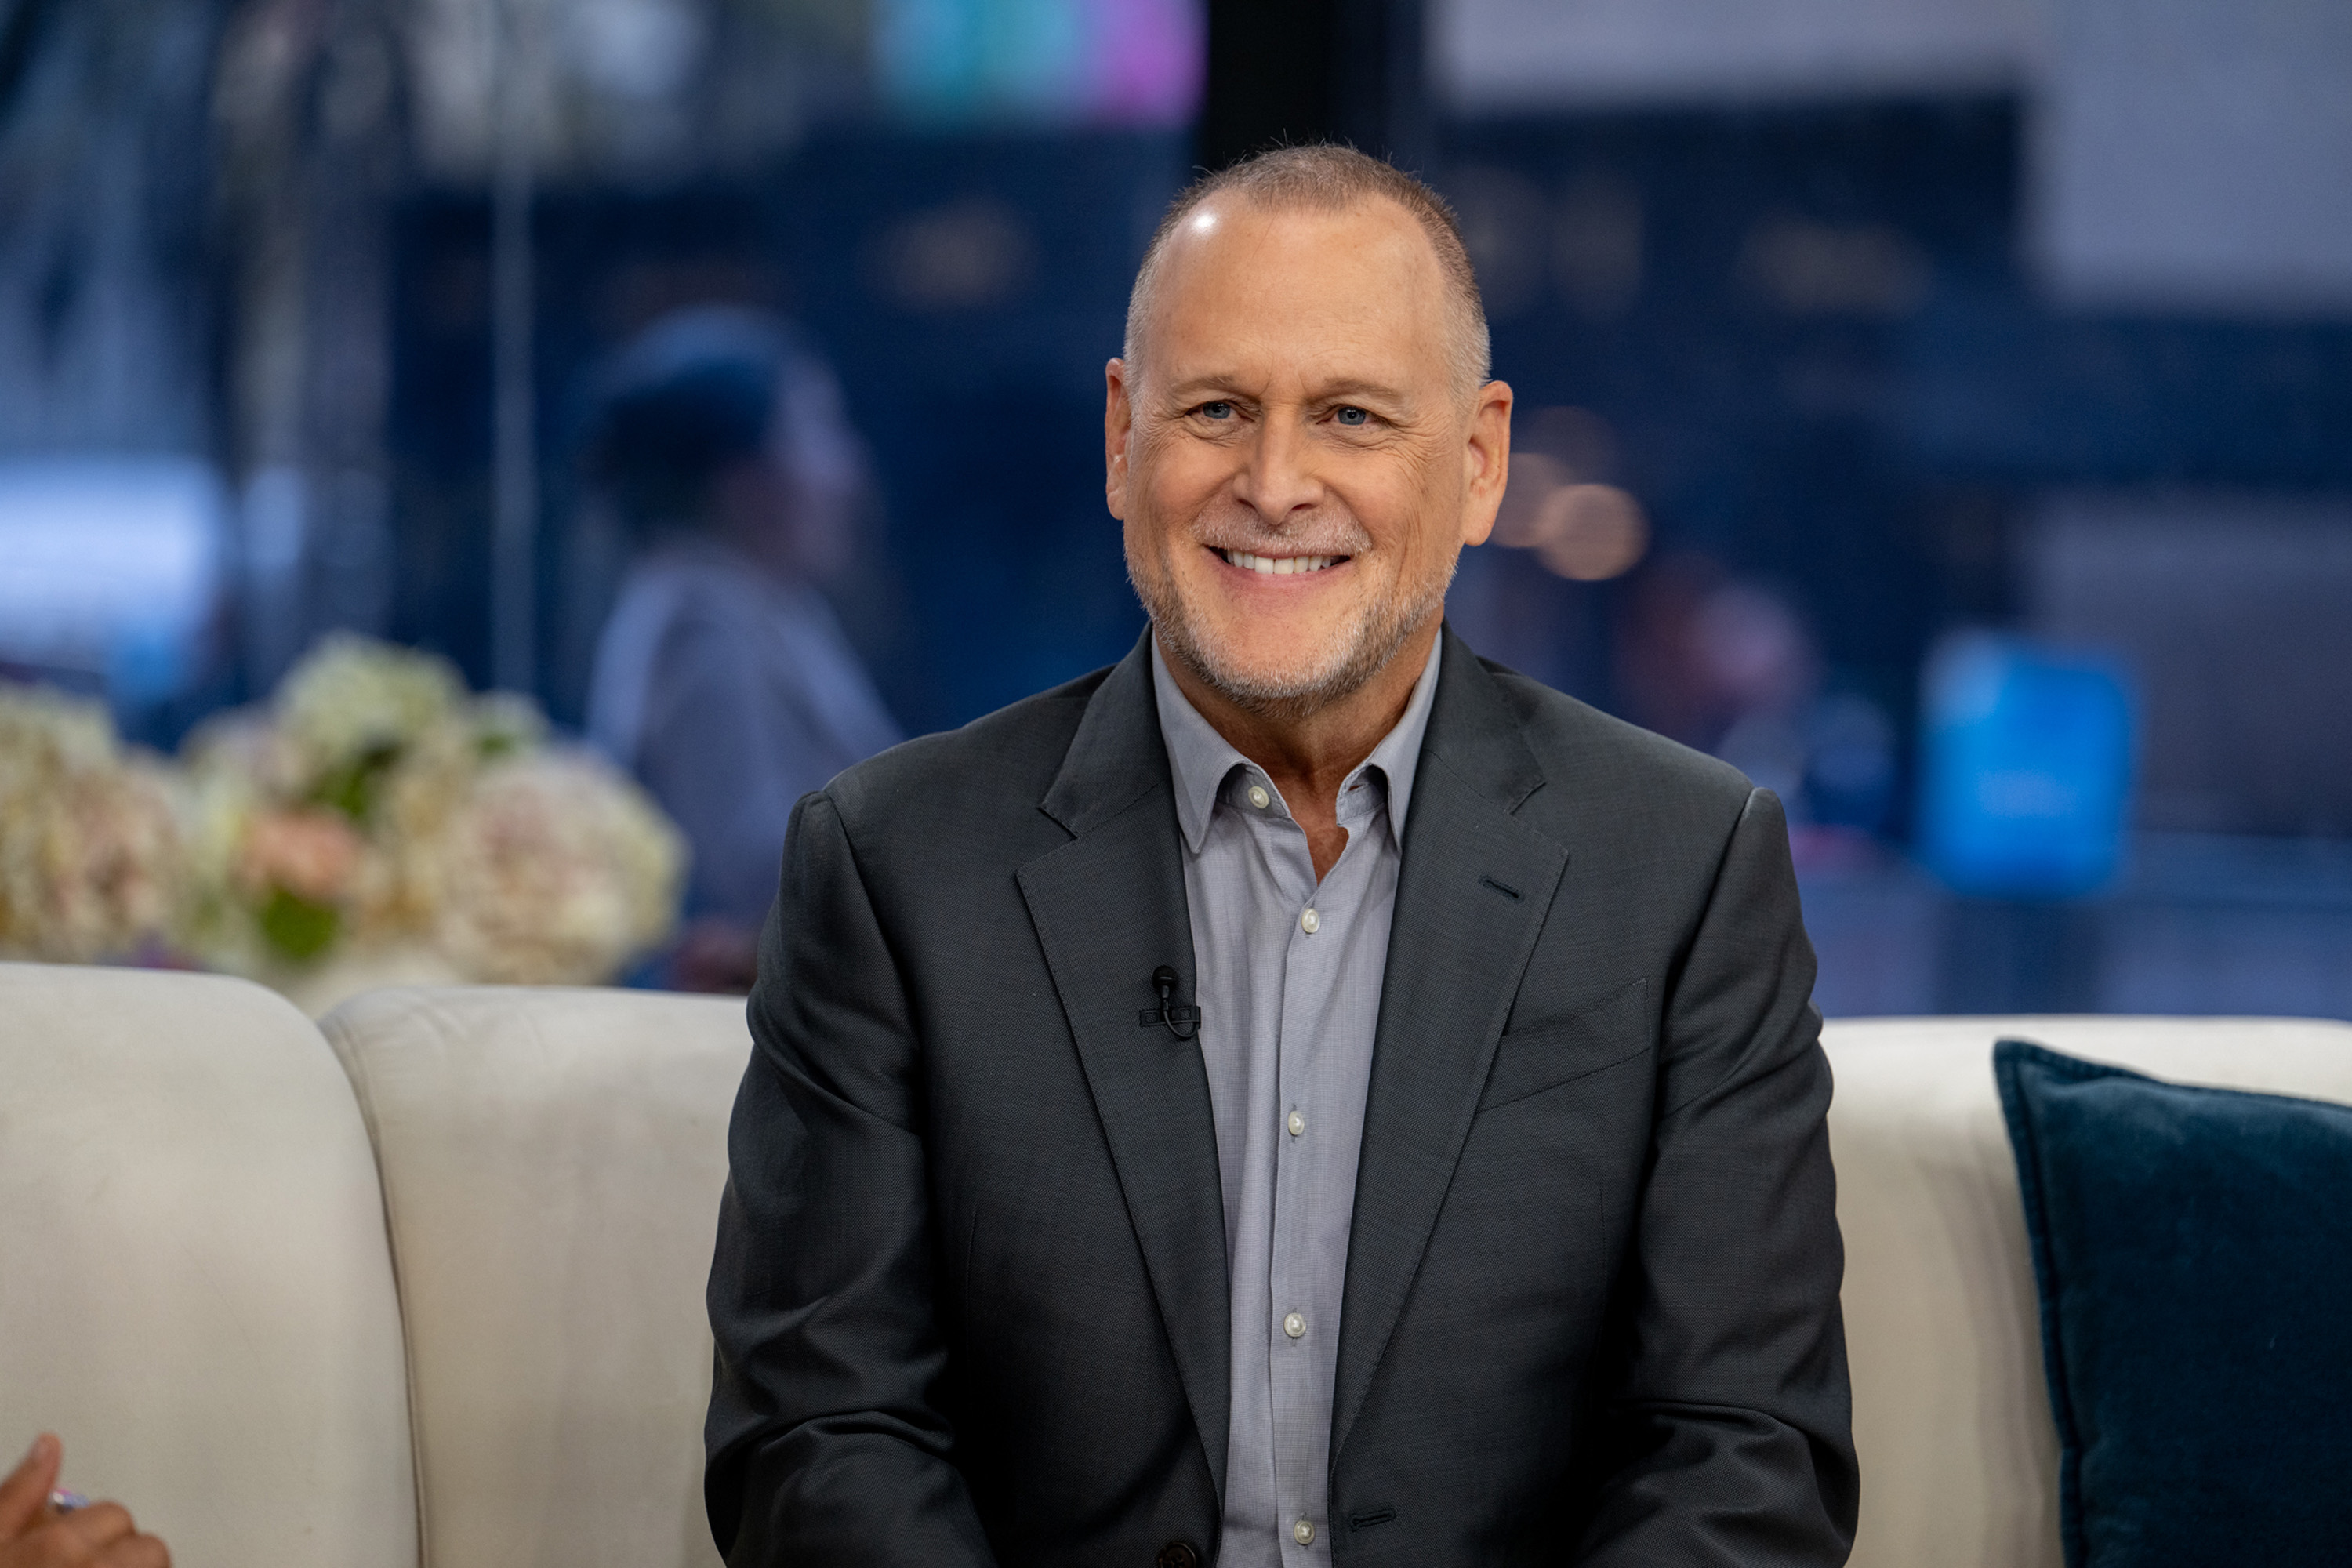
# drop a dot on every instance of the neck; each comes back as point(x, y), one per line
point(1310, 756)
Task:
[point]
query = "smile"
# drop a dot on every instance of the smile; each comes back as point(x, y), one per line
point(1277, 565)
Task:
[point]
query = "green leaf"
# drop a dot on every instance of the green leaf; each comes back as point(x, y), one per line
point(352, 789)
point(297, 928)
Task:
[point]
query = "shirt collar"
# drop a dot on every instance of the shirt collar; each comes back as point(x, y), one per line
point(1200, 760)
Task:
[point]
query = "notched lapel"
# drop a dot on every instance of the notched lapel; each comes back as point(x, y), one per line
point(1472, 895)
point(1109, 908)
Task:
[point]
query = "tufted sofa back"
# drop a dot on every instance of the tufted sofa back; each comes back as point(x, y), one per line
point(195, 1287)
point(551, 1164)
point(427, 1292)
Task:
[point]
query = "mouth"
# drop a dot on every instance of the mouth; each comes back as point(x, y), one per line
point(1277, 565)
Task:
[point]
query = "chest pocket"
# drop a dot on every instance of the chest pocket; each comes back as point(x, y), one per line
point(1547, 1053)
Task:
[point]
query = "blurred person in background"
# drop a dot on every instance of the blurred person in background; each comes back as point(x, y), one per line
point(722, 679)
point(1731, 666)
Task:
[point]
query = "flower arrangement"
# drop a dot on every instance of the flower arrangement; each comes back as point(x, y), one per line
point(91, 851)
point(373, 807)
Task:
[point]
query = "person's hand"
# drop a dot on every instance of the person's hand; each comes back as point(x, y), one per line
point(35, 1535)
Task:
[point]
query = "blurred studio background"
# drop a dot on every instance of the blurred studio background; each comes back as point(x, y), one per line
point(1941, 408)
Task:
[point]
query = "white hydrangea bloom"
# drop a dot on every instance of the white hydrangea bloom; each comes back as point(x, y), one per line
point(558, 871)
point(91, 852)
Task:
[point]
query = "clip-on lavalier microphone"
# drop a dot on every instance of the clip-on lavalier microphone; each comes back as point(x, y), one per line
point(1182, 1022)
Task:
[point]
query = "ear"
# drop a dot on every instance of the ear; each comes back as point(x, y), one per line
point(1486, 462)
point(1119, 425)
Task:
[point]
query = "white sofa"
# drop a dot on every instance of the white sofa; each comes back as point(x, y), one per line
point(422, 1285)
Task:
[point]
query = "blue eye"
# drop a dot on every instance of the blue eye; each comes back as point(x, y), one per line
point(1217, 410)
point(1352, 416)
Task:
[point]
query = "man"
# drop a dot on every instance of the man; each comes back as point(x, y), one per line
point(722, 679)
point(1302, 1094)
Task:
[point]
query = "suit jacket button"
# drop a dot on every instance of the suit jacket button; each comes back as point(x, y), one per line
point(1177, 1555)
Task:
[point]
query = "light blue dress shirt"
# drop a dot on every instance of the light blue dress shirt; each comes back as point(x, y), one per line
point(1290, 975)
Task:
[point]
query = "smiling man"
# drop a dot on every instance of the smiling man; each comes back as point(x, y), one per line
point(1302, 1094)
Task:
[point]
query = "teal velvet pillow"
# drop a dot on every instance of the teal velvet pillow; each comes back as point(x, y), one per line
point(2193, 1248)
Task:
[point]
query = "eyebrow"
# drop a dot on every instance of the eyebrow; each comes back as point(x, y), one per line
point(1373, 390)
point(1330, 392)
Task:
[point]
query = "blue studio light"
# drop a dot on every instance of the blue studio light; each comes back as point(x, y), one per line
point(2026, 772)
point(110, 571)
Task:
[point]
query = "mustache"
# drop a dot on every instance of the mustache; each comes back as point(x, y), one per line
point(1314, 536)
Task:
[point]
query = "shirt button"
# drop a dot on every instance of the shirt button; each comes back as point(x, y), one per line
point(1303, 1532)
point(1310, 921)
point(1258, 797)
point(1298, 1124)
point(1294, 1325)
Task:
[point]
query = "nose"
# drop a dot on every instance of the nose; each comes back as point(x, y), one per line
point(1277, 480)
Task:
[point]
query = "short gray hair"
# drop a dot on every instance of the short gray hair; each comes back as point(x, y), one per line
point(1325, 178)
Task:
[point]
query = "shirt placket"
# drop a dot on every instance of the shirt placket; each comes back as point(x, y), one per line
point(1301, 1338)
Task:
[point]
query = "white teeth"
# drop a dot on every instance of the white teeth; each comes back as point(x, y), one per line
point(1278, 566)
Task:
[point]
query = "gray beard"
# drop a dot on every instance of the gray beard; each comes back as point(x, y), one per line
point(1379, 633)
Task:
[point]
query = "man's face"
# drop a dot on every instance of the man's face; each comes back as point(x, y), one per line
point(1295, 461)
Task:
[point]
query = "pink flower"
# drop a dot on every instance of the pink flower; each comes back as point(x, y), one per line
point(309, 853)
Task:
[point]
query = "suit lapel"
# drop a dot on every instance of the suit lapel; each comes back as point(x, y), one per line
point(1109, 908)
point(1472, 894)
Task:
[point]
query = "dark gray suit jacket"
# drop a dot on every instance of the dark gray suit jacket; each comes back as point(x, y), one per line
point(969, 1293)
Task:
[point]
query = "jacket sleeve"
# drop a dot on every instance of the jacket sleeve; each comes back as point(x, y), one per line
point(826, 1442)
point(1732, 1424)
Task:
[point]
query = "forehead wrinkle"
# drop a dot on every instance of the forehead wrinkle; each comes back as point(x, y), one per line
point(1309, 384)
